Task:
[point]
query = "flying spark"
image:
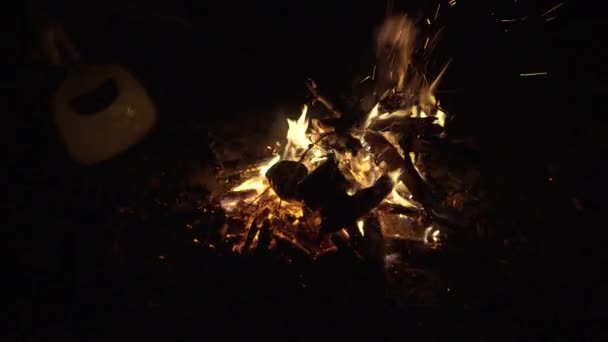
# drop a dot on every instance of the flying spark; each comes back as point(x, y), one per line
point(513, 20)
point(534, 74)
point(551, 18)
point(553, 9)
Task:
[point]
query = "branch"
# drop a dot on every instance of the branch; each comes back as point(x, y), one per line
point(312, 87)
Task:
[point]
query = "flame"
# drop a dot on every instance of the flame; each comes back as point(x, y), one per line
point(270, 164)
point(296, 134)
point(431, 235)
point(373, 114)
point(292, 219)
point(360, 224)
point(395, 175)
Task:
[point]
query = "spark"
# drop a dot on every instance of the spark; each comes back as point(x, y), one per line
point(435, 83)
point(513, 20)
point(436, 36)
point(345, 233)
point(543, 73)
point(452, 3)
point(428, 21)
point(365, 79)
point(437, 11)
point(161, 257)
point(551, 18)
point(553, 9)
point(195, 241)
point(426, 43)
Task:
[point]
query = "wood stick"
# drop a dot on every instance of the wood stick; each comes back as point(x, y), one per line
point(312, 87)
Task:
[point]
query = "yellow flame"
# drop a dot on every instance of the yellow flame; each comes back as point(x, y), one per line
point(268, 165)
point(431, 235)
point(441, 116)
point(250, 184)
point(395, 198)
point(435, 236)
point(360, 224)
point(373, 114)
point(296, 135)
point(395, 176)
point(427, 232)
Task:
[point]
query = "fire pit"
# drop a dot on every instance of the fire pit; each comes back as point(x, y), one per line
point(352, 173)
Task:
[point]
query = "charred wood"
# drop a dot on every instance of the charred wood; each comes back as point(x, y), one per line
point(285, 176)
point(348, 209)
point(325, 185)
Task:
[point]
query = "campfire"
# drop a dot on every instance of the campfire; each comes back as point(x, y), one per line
point(352, 173)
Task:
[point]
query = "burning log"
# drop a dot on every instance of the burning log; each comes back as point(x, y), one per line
point(372, 240)
point(400, 210)
point(383, 150)
point(312, 87)
point(325, 186)
point(265, 237)
point(351, 168)
point(253, 230)
point(412, 179)
point(285, 176)
point(350, 208)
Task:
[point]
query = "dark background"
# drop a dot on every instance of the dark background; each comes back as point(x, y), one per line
point(208, 64)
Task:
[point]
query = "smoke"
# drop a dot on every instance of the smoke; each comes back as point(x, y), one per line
point(394, 46)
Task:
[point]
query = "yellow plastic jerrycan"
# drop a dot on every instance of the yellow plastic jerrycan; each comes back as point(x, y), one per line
point(104, 130)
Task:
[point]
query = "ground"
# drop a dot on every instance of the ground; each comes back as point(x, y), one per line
point(88, 272)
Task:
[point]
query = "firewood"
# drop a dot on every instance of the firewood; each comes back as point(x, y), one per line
point(264, 237)
point(253, 230)
point(348, 209)
point(285, 176)
point(323, 186)
point(383, 150)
